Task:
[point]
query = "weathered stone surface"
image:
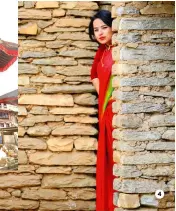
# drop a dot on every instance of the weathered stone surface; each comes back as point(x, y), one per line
point(69, 89)
point(75, 129)
point(162, 120)
point(63, 158)
point(141, 209)
point(84, 169)
point(34, 14)
point(77, 53)
point(164, 170)
point(79, 6)
point(58, 12)
point(43, 130)
point(127, 135)
point(46, 4)
point(15, 181)
point(22, 157)
point(138, 186)
point(46, 194)
point(32, 43)
point(22, 111)
point(74, 110)
point(67, 205)
point(29, 29)
point(73, 180)
point(16, 193)
point(78, 79)
point(60, 144)
point(38, 54)
point(158, 94)
point(128, 146)
point(149, 23)
point(82, 193)
point(4, 194)
point(144, 53)
point(87, 13)
point(72, 22)
point(80, 36)
point(39, 110)
point(20, 3)
point(43, 24)
point(81, 119)
point(26, 90)
point(139, 4)
point(129, 108)
point(147, 158)
point(74, 71)
point(124, 96)
point(128, 200)
point(139, 81)
point(169, 135)
point(54, 170)
point(23, 80)
point(85, 44)
point(45, 36)
point(158, 38)
point(21, 131)
point(15, 203)
point(120, 11)
point(160, 145)
point(128, 121)
point(57, 44)
point(85, 143)
point(55, 61)
point(126, 38)
point(126, 171)
point(149, 200)
point(46, 80)
point(48, 71)
point(27, 69)
point(158, 9)
point(54, 28)
point(51, 100)
point(26, 168)
point(85, 99)
point(29, 4)
point(125, 69)
point(31, 143)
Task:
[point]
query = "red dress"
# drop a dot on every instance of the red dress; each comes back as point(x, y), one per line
point(101, 69)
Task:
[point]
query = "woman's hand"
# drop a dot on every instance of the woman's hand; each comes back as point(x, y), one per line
point(95, 82)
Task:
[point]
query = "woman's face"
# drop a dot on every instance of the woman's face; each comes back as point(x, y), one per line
point(102, 32)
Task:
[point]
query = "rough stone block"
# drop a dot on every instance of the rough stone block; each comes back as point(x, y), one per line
point(63, 158)
point(138, 186)
point(34, 14)
point(128, 200)
point(74, 129)
point(73, 180)
point(149, 23)
point(144, 53)
point(57, 100)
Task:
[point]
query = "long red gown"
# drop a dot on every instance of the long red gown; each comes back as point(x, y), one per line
point(101, 69)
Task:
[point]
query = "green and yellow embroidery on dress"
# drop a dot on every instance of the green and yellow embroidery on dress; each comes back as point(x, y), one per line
point(108, 95)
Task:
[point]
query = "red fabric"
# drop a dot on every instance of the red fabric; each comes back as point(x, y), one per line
point(104, 168)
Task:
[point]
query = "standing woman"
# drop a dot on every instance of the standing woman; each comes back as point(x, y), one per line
point(100, 31)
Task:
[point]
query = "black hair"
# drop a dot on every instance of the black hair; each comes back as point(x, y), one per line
point(105, 16)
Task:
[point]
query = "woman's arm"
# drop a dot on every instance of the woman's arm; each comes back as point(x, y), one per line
point(95, 82)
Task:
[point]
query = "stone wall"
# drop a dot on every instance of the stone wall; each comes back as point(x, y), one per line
point(144, 107)
point(57, 110)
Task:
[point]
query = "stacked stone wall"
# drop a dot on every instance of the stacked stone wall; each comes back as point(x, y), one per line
point(57, 110)
point(144, 108)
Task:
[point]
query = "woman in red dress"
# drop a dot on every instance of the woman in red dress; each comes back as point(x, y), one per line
point(100, 31)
